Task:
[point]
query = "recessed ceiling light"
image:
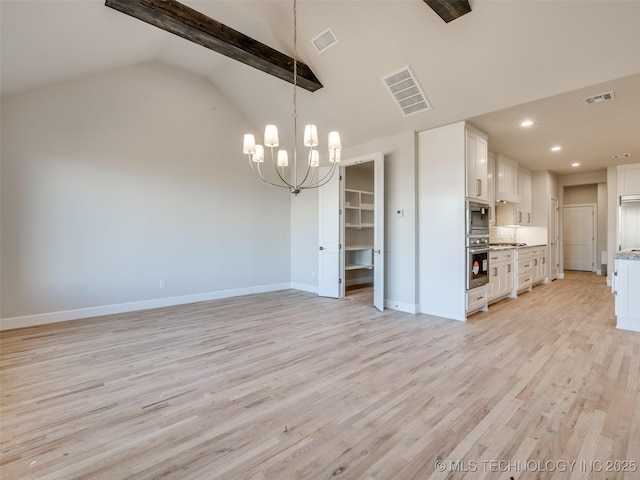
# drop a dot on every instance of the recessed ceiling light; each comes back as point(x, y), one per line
point(575, 164)
point(526, 123)
point(556, 149)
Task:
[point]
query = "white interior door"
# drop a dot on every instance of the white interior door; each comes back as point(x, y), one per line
point(378, 233)
point(578, 237)
point(329, 236)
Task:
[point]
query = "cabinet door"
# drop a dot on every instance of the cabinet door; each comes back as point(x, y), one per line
point(524, 192)
point(508, 277)
point(476, 163)
point(506, 179)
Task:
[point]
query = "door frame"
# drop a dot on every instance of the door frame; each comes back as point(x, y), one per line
point(379, 231)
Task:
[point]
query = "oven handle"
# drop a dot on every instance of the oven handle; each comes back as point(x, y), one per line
point(479, 250)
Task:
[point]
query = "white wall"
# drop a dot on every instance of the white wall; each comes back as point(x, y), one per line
point(116, 182)
point(400, 232)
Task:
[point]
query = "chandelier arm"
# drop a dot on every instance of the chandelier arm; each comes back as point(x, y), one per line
point(275, 166)
point(258, 172)
point(326, 179)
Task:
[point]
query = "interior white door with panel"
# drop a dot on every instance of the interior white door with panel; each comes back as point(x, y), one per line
point(329, 236)
point(578, 237)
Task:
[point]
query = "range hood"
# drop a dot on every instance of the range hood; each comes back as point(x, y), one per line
point(507, 197)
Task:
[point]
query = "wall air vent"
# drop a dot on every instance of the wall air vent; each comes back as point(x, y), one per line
point(325, 40)
point(618, 156)
point(406, 91)
point(602, 97)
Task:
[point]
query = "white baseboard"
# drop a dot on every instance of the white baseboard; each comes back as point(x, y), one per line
point(400, 306)
point(304, 287)
point(63, 316)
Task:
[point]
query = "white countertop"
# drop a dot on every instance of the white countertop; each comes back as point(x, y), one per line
point(627, 255)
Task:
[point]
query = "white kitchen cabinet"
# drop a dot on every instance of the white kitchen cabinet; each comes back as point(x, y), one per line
point(501, 274)
point(506, 181)
point(626, 285)
point(476, 164)
point(628, 179)
point(477, 299)
point(524, 272)
point(540, 271)
point(525, 192)
point(518, 214)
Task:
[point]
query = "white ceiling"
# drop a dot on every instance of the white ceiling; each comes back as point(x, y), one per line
point(518, 59)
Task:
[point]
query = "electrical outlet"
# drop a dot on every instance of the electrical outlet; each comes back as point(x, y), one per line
point(163, 284)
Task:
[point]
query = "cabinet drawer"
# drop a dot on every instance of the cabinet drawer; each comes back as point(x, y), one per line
point(524, 265)
point(524, 280)
point(500, 256)
point(477, 298)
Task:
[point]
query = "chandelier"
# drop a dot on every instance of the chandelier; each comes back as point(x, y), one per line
point(295, 180)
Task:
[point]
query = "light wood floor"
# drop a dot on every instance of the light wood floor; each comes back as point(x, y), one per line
point(287, 385)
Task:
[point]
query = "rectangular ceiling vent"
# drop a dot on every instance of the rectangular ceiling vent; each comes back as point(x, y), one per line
point(602, 97)
point(406, 91)
point(325, 40)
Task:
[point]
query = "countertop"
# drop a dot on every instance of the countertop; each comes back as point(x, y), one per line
point(627, 255)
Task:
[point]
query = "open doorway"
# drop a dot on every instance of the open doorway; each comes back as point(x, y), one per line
point(359, 223)
point(351, 229)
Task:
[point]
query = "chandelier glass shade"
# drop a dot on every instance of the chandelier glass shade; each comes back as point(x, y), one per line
point(296, 178)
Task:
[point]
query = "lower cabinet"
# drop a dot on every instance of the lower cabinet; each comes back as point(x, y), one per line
point(501, 274)
point(477, 299)
point(626, 285)
point(539, 267)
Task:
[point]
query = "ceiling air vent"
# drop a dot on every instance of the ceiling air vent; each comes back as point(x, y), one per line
point(406, 91)
point(618, 156)
point(325, 40)
point(602, 97)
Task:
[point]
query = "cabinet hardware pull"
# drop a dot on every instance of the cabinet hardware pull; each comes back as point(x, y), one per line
point(321, 248)
point(478, 299)
point(478, 187)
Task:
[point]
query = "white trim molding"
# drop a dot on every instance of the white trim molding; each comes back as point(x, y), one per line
point(66, 315)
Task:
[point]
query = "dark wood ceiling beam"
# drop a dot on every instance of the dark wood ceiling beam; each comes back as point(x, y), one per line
point(176, 18)
point(449, 9)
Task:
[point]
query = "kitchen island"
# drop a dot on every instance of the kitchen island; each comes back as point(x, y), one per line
point(626, 287)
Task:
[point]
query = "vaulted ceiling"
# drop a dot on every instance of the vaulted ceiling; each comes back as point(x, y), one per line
point(497, 65)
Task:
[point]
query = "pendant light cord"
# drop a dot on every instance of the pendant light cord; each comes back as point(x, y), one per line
point(295, 97)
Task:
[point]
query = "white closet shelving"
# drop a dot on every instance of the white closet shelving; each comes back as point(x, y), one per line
point(358, 222)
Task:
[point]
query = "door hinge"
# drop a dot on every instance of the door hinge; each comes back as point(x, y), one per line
point(340, 177)
point(339, 246)
point(339, 281)
point(340, 212)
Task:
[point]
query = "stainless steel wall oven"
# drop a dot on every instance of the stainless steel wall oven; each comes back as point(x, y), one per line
point(477, 262)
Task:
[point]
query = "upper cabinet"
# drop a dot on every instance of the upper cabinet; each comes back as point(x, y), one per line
point(629, 179)
point(524, 192)
point(518, 213)
point(476, 164)
point(506, 182)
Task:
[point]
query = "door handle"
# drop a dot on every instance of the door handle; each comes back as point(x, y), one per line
point(478, 187)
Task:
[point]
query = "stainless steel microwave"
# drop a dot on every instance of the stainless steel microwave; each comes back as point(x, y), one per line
point(477, 218)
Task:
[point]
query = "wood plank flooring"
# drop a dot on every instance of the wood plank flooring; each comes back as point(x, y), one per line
point(287, 385)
